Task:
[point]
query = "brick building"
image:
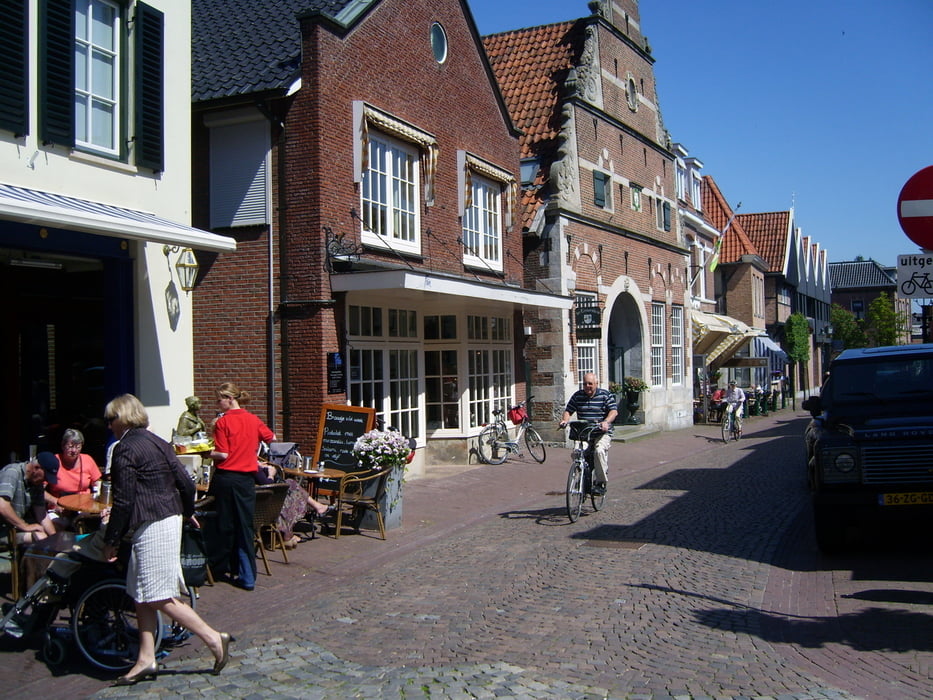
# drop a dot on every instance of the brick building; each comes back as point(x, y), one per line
point(379, 231)
point(599, 210)
point(857, 283)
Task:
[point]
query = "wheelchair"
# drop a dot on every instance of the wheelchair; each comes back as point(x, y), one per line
point(84, 601)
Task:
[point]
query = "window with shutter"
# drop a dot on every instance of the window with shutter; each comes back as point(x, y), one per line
point(149, 105)
point(14, 78)
point(239, 173)
point(56, 73)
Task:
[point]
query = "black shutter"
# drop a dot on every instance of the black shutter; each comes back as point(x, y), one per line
point(667, 216)
point(599, 188)
point(56, 72)
point(149, 88)
point(14, 78)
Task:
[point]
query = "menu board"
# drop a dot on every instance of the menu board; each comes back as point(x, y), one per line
point(338, 429)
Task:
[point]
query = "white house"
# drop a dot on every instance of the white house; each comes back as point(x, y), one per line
point(95, 193)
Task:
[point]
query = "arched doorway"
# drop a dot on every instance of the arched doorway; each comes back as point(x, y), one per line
point(625, 339)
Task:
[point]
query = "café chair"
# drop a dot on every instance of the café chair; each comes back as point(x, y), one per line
point(269, 501)
point(357, 493)
point(15, 557)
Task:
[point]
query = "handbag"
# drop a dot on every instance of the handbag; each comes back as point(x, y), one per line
point(517, 414)
point(193, 556)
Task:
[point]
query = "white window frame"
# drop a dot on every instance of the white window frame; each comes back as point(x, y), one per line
point(490, 367)
point(657, 343)
point(482, 224)
point(92, 91)
point(587, 348)
point(391, 382)
point(681, 180)
point(678, 368)
point(391, 182)
point(695, 191)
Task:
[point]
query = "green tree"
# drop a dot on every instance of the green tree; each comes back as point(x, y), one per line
point(885, 325)
point(847, 329)
point(797, 346)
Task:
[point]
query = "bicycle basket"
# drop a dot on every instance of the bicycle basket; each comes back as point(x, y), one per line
point(517, 414)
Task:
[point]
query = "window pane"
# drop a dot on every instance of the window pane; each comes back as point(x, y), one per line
point(102, 25)
point(102, 75)
point(81, 68)
point(102, 121)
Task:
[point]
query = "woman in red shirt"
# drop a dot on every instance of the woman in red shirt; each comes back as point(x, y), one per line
point(77, 474)
point(237, 434)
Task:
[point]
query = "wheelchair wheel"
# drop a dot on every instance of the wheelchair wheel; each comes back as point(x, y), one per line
point(105, 627)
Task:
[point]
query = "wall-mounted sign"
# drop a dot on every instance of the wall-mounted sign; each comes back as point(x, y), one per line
point(336, 373)
point(588, 322)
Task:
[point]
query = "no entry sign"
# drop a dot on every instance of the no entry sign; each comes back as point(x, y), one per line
point(915, 208)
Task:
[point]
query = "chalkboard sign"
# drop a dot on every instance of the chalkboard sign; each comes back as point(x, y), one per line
point(338, 430)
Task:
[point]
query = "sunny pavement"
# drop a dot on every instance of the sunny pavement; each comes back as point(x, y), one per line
point(699, 579)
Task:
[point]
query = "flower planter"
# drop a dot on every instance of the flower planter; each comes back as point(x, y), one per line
point(390, 505)
point(632, 404)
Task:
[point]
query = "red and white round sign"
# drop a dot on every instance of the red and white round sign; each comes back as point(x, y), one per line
point(915, 208)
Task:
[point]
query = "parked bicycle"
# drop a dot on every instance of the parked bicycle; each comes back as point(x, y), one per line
point(580, 478)
point(494, 444)
point(731, 424)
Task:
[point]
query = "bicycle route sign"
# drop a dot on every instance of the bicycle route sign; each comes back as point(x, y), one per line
point(915, 208)
point(915, 276)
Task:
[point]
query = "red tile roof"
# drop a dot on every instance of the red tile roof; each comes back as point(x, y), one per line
point(770, 234)
point(717, 210)
point(531, 65)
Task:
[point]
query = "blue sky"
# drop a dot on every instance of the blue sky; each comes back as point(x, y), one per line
point(827, 105)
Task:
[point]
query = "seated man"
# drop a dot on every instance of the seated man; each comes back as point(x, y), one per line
point(22, 496)
point(717, 404)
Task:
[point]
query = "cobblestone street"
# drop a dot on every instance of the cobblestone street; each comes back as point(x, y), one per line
point(699, 579)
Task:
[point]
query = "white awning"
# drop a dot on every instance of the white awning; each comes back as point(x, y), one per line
point(418, 281)
point(59, 211)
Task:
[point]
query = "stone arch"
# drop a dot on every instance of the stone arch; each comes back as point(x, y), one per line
point(625, 337)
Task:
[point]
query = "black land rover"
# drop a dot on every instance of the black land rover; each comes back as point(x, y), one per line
point(870, 443)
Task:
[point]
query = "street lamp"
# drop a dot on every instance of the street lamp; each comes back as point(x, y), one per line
point(186, 266)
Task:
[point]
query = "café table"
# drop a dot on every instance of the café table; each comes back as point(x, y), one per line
point(311, 478)
point(88, 510)
point(82, 503)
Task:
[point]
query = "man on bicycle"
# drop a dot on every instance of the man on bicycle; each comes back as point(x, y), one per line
point(595, 405)
point(735, 400)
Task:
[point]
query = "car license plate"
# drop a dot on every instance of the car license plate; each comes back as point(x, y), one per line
point(906, 499)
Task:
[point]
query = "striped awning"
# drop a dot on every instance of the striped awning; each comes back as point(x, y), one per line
point(60, 211)
point(719, 337)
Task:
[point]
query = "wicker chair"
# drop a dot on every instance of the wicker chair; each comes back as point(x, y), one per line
point(269, 501)
point(357, 493)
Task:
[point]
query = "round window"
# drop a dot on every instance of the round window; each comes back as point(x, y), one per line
point(439, 42)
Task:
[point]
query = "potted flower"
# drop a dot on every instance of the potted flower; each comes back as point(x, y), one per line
point(633, 386)
point(385, 449)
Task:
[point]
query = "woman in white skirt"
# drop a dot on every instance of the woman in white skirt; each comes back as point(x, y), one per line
point(152, 493)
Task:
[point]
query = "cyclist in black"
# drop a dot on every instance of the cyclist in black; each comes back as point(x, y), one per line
point(595, 405)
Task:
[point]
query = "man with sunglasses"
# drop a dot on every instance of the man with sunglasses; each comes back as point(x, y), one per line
point(22, 496)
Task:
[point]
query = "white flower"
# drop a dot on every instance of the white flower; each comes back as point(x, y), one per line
point(380, 449)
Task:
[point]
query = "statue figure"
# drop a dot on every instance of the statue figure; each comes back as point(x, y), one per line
point(189, 423)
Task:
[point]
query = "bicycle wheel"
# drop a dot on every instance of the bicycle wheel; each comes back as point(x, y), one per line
point(535, 445)
point(597, 499)
point(105, 627)
point(490, 445)
point(575, 494)
point(726, 426)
